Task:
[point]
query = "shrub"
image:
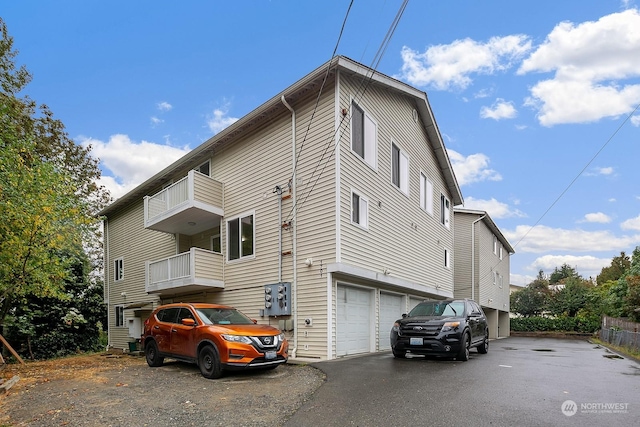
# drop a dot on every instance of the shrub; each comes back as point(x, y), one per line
point(582, 324)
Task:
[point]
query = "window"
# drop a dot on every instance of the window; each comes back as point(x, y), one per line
point(216, 245)
point(495, 278)
point(364, 135)
point(399, 169)
point(118, 269)
point(204, 168)
point(241, 237)
point(426, 194)
point(500, 251)
point(495, 245)
point(447, 258)
point(119, 316)
point(359, 210)
point(444, 210)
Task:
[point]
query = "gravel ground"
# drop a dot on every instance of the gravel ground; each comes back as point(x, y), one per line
point(129, 393)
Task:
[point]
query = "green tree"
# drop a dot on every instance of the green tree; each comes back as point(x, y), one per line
point(563, 273)
point(531, 300)
point(631, 304)
point(572, 298)
point(617, 269)
point(48, 195)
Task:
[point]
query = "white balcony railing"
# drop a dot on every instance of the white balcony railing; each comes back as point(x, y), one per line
point(196, 198)
point(197, 269)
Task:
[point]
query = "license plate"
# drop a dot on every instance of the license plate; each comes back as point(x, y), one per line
point(270, 355)
point(415, 341)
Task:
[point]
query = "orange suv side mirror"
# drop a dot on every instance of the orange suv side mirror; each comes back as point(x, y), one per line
point(188, 322)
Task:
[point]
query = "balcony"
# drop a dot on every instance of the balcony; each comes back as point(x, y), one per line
point(194, 271)
point(188, 206)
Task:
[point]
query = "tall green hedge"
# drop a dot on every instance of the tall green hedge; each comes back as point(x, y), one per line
point(560, 324)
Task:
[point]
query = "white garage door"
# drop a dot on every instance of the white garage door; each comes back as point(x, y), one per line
point(353, 326)
point(391, 309)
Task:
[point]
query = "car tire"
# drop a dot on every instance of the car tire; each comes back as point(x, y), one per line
point(209, 362)
point(153, 355)
point(484, 347)
point(399, 354)
point(463, 355)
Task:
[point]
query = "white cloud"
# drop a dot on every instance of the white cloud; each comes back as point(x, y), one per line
point(156, 121)
point(473, 168)
point(589, 60)
point(494, 208)
point(126, 163)
point(635, 120)
point(597, 217)
point(631, 224)
point(500, 109)
point(541, 239)
point(447, 66)
point(220, 120)
point(164, 106)
point(587, 266)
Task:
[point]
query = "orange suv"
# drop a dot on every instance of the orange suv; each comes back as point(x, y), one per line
point(215, 337)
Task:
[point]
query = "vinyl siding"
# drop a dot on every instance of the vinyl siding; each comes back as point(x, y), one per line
point(400, 236)
point(463, 255)
point(135, 251)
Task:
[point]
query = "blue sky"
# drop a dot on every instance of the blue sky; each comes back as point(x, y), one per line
point(536, 101)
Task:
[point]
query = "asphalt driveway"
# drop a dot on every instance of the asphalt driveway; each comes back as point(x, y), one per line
point(521, 381)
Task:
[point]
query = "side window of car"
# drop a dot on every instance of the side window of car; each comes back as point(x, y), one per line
point(476, 309)
point(168, 315)
point(185, 313)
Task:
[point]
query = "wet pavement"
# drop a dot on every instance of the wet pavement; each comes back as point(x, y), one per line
point(521, 381)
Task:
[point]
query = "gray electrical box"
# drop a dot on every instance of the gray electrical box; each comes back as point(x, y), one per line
point(277, 299)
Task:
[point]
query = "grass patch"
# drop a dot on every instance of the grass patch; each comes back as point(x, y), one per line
point(627, 351)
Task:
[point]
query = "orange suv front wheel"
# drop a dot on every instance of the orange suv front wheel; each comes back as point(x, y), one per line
point(209, 362)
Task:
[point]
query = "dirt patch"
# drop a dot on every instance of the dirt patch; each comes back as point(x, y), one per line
point(116, 390)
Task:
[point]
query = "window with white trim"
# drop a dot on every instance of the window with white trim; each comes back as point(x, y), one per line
point(426, 194)
point(364, 134)
point(359, 210)
point(399, 168)
point(216, 244)
point(204, 168)
point(445, 209)
point(495, 245)
point(241, 237)
point(447, 258)
point(500, 249)
point(118, 269)
point(119, 316)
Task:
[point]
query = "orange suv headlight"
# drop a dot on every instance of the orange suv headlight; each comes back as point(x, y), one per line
point(237, 338)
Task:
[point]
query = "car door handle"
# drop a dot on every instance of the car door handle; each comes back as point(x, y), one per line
point(174, 330)
point(156, 327)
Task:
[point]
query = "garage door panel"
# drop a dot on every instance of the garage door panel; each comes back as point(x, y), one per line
point(353, 320)
point(391, 309)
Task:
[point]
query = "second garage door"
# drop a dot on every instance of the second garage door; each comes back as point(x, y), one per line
point(391, 309)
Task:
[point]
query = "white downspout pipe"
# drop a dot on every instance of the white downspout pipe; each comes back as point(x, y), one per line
point(473, 257)
point(294, 285)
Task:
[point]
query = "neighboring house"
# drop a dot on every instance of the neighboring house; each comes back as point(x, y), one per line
point(351, 213)
point(482, 267)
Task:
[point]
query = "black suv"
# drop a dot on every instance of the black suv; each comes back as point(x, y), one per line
point(441, 328)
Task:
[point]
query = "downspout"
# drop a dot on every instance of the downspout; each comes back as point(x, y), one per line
point(473, 257)
point(107, 289)
point(294, 285)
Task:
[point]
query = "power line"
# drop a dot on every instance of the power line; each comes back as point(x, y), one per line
point(364, 84)
point(572, 182)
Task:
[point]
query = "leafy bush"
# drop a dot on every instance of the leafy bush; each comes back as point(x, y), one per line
point(582, 324)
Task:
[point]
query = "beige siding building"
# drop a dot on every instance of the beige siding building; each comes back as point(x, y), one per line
point(482, 267)
point(345, 196)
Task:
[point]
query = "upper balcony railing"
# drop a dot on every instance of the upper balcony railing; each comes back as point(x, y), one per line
point(188, 206)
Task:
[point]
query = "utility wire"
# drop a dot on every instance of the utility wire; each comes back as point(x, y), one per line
point(364, 84)
point(333, 55)
point(571, 183)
